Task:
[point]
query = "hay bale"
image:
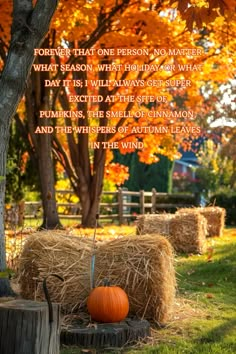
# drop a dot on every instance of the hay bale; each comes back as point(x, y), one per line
point(153, 224)
point(143, 266)
point(188, 232)
point(185, 231)
point(215, 217)
point(50, 252)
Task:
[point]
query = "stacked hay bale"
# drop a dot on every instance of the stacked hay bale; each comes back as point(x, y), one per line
point(185, 231)
point(144, 267)
point(188, 233)
point(215, 217)
point(69, 257)
point(154, 223)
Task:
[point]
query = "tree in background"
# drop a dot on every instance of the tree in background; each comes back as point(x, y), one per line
point(17, 153)
point(229, 152)
point(125, 25)
point(216, 170)
point(37, 98)
point(29, 26)
point(217, 155)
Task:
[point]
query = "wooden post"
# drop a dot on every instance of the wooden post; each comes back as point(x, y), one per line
point(120, 206)
point(25, 328)
point(142, 207)
point(21, 212)
point(154, 197)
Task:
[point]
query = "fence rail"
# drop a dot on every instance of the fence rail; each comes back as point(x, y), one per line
point(121, 205)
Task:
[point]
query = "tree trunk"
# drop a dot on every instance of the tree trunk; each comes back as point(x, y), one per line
point(90, 194)
point(29, 27)
point(2, 210)
point(86, 176)
point(37, 99)
point(47, 183)
point(106, 335)
point(90, 189)
point(25, 328)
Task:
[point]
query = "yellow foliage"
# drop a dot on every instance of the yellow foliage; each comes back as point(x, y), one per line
point(141, 24)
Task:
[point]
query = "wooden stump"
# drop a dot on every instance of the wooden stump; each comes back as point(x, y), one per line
point(25, 328)
point(104, 335)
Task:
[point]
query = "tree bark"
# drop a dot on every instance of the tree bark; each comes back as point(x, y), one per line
point(37, 99)
point(106, 335)
point(29, 28)
point(90, 201)
point(25, 328)
point(89, 178)
point(2, 210)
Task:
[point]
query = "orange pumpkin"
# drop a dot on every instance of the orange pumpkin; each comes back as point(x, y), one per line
point(108, 304)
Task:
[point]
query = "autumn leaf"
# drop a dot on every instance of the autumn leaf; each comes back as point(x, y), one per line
point(210, 285)
point(210, 252)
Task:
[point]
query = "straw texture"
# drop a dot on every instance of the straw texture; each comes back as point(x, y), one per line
point(215, 217)
point(144, 267)
point(188, 233)
point(54, 253)
point(154, 223)
point(185, 231)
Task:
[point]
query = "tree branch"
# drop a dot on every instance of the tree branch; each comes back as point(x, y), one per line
point(21, 55)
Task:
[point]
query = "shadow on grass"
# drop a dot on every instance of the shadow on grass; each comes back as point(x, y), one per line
point(226, 249)
point(219, 333)
point(218, 336)
point(222, 266)
point(214, 281)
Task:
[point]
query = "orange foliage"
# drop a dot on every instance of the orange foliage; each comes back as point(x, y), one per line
point(132, 24)
point(115, 172)
point(200, 13)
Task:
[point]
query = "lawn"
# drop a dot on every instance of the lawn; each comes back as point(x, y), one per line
point(204, 319)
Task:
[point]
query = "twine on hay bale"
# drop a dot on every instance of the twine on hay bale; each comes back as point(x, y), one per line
point(144, 267)
point(185, 231)
point(215, 217)
point(48, 252)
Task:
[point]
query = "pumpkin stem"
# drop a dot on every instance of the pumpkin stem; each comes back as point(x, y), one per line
point(106, 282)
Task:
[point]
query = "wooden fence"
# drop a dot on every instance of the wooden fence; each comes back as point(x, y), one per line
point(122, 206)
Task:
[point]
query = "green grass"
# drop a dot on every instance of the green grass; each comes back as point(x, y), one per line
point(205, 318)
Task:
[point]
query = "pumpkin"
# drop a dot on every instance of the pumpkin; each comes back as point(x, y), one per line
point(108, 304)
